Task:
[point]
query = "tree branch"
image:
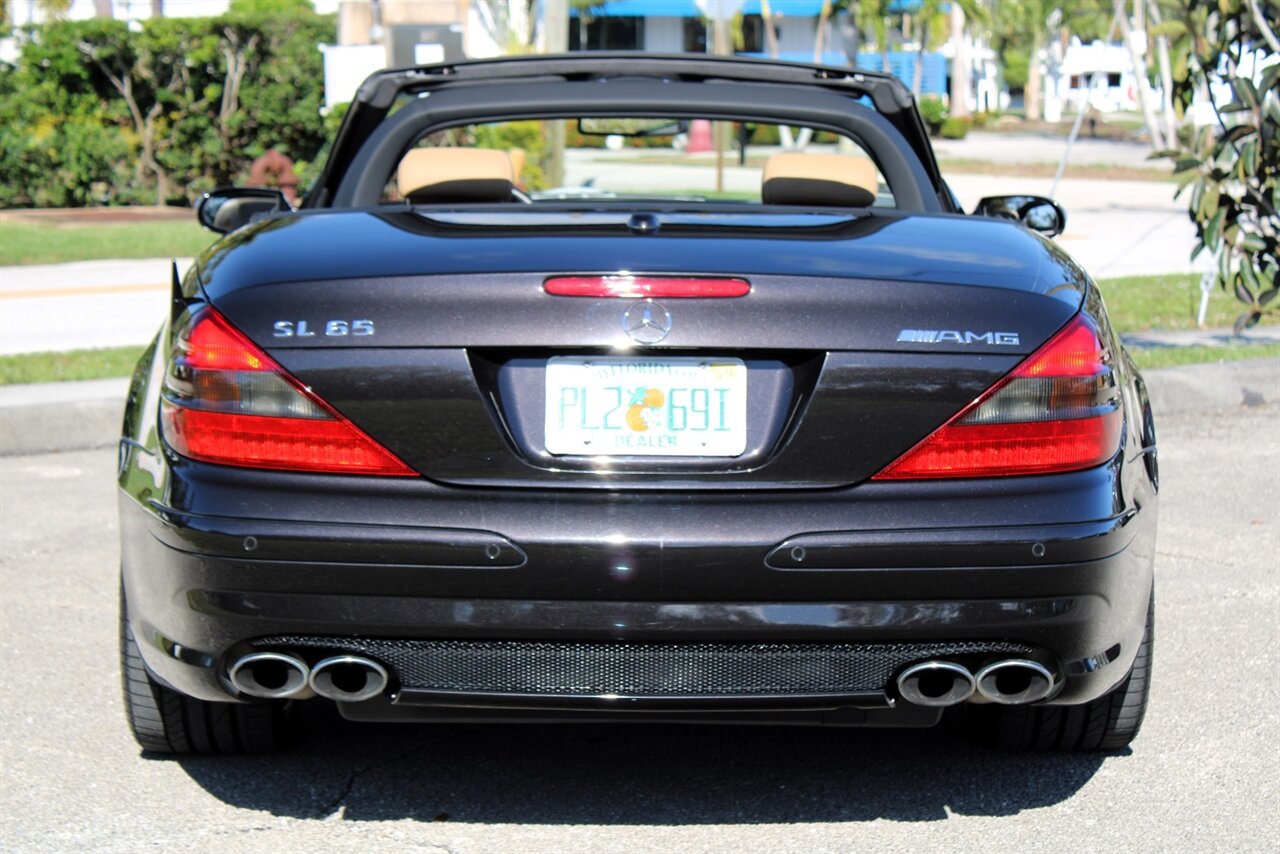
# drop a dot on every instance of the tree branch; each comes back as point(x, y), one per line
point(1261, 23)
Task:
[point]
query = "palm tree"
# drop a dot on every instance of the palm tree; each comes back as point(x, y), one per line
point(512, 24)
point(1026, 22)
point(931, 18)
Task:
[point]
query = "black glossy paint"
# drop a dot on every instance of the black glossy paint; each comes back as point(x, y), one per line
point(499, 540)
point(1061, 562)
point(370, 246)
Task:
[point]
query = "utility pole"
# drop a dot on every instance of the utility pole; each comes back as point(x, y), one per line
point(556, 20)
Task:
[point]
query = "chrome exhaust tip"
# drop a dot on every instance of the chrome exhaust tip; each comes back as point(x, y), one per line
point(1015, 681)
point(936, 683)
point(348, 678)
point(271, 675)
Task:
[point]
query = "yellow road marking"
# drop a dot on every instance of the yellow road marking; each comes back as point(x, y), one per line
point(81, 291)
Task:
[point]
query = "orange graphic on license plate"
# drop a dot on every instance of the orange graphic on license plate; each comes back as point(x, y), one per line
point(646, 409)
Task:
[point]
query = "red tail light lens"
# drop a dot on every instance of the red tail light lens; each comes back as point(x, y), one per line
point(1058, 411)
point(226, 401)
point(666, 287)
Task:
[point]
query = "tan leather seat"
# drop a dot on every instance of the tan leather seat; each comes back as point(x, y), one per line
point(819, 180)
point(449, 175)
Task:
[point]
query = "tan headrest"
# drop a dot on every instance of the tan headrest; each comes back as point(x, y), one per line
point(455, 175)
point(839, 180)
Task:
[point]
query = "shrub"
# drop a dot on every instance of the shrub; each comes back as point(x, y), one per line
point(529, 137)
point(933, 111)
point(954, 128)
point(93, 113)
point(1232, 168)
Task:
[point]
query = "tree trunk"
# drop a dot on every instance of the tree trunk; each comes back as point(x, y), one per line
point(850, 34)
point(1031, 94)
point(1140, 85)
point(882, 42)
point(236, 55)
point(771, 43)
point(102, 9)
point(147, 157)
point(555, 32)
point(819, 43)
point(770, 34)
point(1166, 82)
point(157, 8)
point(917, 79)
point(820, 37)
point(959, 64)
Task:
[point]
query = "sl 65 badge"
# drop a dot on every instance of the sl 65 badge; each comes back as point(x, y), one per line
point(330, 329)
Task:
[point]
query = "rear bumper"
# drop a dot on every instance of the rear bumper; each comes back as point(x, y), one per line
point(203, 589)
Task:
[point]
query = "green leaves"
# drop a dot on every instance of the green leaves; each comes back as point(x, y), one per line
point(1233, 169)
point(68, 135)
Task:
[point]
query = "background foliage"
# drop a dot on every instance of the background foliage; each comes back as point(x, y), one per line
point(1232, 167)
point(93, 113)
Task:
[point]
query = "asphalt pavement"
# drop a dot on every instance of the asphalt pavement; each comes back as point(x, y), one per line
point(1203, 775)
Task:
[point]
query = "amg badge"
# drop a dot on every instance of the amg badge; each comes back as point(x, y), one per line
point(955, 336)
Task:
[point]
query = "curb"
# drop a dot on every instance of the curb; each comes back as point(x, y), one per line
point(75, 416)
point(54, 417)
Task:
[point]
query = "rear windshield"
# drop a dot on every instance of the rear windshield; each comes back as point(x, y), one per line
point(654, 159)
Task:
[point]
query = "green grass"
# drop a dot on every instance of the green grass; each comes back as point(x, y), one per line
point(1096, 171)
point(1139, 303)
point(71, 365)
point(29, 242)
point(1170, 357)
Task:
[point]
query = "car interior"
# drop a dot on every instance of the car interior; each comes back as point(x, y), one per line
point(453, 167)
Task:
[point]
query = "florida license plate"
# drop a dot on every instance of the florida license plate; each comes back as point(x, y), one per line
point(638, 406)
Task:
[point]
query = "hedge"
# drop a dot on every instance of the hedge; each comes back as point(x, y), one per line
point(94, 113)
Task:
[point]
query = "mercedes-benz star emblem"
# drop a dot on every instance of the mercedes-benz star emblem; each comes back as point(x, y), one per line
point(647, 322)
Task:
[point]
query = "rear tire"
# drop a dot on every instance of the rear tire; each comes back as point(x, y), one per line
point(1107, 723)
point(166, 721)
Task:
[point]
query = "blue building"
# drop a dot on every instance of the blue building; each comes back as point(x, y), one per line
point(675, 26)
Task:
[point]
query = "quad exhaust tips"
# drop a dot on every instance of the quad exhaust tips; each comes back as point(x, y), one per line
point(348, 678)
point(936, 683)
point(279, 675)
point(1014, 681)
point(271, 675)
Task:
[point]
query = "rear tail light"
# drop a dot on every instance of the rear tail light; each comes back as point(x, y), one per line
point(638, 287)
point(226, 401)
point(1058, 411)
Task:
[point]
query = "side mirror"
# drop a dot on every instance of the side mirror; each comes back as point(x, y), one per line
point(1035, 212)
point(228, 208)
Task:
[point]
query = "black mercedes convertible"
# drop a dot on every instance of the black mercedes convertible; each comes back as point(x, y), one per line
point(730, 414)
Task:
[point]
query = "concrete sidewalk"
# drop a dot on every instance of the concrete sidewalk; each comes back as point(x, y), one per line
point(53, 417)
point(84, 304)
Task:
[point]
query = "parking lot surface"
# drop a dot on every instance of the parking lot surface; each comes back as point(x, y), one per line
point(1204, 774)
